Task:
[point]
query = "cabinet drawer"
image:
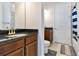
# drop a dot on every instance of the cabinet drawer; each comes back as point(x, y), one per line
point(9, 47)
point(31, 39)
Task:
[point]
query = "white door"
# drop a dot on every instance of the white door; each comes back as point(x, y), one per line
point(62, 23)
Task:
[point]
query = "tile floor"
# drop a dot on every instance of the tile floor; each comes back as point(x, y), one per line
point(56, 47)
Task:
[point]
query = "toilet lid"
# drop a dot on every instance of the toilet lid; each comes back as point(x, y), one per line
point(46, 42)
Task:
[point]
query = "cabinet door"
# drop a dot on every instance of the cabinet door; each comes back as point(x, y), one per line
point(19, 52)
point(31, 49)
point(49, 34)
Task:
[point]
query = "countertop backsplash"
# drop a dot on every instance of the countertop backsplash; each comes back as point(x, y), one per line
point(5, 32)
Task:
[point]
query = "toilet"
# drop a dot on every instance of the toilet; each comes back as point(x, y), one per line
point(46, 46)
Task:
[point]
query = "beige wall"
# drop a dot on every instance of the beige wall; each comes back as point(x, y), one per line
point(20, 15)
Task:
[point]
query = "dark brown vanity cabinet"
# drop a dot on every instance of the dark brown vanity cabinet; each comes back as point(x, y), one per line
point(48, 32)
point(22, 46)
point(13, 48)
point(31, 46)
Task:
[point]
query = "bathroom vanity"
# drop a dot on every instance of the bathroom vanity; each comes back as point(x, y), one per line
point(24, 42)
point(25, 45)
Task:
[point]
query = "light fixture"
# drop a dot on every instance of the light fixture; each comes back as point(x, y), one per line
point(46, 14)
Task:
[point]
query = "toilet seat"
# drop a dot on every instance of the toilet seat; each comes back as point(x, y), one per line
point(46, 43)
point(46, 46)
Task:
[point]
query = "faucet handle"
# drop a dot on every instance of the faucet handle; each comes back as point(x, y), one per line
point(9, 32)
point(14, 31)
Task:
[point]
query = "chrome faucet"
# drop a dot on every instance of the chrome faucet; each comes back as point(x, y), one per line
point(11, 31)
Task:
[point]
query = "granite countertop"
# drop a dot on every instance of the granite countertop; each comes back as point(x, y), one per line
point(6, 38)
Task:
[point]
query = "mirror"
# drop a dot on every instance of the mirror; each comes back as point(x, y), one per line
point(7, 15)
point(12, 15)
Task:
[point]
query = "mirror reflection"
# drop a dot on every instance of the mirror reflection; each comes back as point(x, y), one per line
point(7, 15)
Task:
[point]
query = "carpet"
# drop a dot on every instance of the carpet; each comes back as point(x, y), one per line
point(67, 50)
point(51, 53)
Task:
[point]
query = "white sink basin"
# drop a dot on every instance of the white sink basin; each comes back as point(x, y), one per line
point(17, 35)
point(12, 36)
